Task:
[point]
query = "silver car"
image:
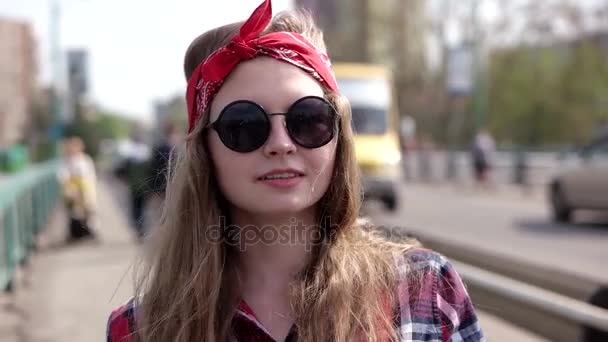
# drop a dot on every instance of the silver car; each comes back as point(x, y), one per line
point(583, 185)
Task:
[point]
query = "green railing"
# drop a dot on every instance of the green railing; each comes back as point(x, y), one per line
point(26, 201)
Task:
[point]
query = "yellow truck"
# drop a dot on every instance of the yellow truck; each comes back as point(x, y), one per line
point(369, 89)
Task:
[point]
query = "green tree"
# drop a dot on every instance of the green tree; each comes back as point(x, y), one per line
point(547, 96)
point(584, 90)
point(103, 126)
point(112, 126)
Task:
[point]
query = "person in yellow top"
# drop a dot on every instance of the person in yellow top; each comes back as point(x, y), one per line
point(78, 180)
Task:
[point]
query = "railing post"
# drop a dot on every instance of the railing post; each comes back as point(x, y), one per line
point(520, 172)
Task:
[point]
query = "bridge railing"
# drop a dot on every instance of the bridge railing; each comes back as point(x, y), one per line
point(536, 168)
point(26, 201)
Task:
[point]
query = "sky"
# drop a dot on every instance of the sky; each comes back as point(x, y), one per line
point(136, 47)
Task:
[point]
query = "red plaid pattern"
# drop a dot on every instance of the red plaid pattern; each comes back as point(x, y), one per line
point(433, 306)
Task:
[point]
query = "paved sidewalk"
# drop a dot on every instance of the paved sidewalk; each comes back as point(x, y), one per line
point(68, 291)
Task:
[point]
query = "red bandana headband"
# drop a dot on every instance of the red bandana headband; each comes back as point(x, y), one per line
point(289, 47)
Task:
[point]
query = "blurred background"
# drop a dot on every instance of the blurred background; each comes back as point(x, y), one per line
point(481, 128)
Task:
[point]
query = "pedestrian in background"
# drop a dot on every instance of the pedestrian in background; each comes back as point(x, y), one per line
point(407, 139)
point(162, 154)
point(163, 157)
point(134, 171)
point(482, 152)
point(78, 181)
point(261, 240)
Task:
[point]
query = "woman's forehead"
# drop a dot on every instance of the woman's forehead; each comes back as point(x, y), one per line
point(273, 84)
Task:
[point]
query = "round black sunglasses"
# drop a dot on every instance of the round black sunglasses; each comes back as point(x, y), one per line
point(244, 126)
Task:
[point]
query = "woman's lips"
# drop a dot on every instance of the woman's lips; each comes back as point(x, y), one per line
point(283, 183)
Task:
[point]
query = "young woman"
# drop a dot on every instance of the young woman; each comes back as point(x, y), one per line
point(260, 239)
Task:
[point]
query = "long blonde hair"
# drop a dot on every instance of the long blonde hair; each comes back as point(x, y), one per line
point(188, 289)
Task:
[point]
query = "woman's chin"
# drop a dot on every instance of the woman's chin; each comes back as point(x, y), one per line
point(281, 208)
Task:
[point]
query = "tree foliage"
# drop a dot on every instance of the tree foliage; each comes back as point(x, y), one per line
point(550, 95)
point(102, 126)
point(112, 126)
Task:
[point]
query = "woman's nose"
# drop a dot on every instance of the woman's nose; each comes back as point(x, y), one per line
point(279, 142)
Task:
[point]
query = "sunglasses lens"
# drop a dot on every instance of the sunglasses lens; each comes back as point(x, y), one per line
point(243, 127)
point(311, 122)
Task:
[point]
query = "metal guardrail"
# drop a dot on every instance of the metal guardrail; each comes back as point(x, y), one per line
point(575, 286)
point(26, 201)
point(543, 312)
point(550, 303)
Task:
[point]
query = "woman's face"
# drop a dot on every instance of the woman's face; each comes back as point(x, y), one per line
point(275, 86)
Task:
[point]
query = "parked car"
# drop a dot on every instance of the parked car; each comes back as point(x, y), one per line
point(369, 89)
point(584, 185)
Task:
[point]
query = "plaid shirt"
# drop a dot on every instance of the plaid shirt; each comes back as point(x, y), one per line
point(434, 307)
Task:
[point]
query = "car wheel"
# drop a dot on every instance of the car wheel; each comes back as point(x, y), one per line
point(561, 211)
point(390, 202)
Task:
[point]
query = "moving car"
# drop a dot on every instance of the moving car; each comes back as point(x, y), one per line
point(369, 89)
point(583, 186)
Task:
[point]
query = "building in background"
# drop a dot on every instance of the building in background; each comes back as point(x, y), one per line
point(378, 31)
point(344, 26)
point(171, 110)
point(161, 113)
point(388, 32)
point(18, 72)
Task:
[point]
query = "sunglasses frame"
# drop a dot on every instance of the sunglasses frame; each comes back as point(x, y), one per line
point(333, 112)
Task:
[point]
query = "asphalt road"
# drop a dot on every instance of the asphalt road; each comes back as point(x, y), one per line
point(504, 222)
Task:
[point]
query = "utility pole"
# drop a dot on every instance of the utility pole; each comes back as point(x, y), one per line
point(56, 130)
point(365, 13)
point(479, 72)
